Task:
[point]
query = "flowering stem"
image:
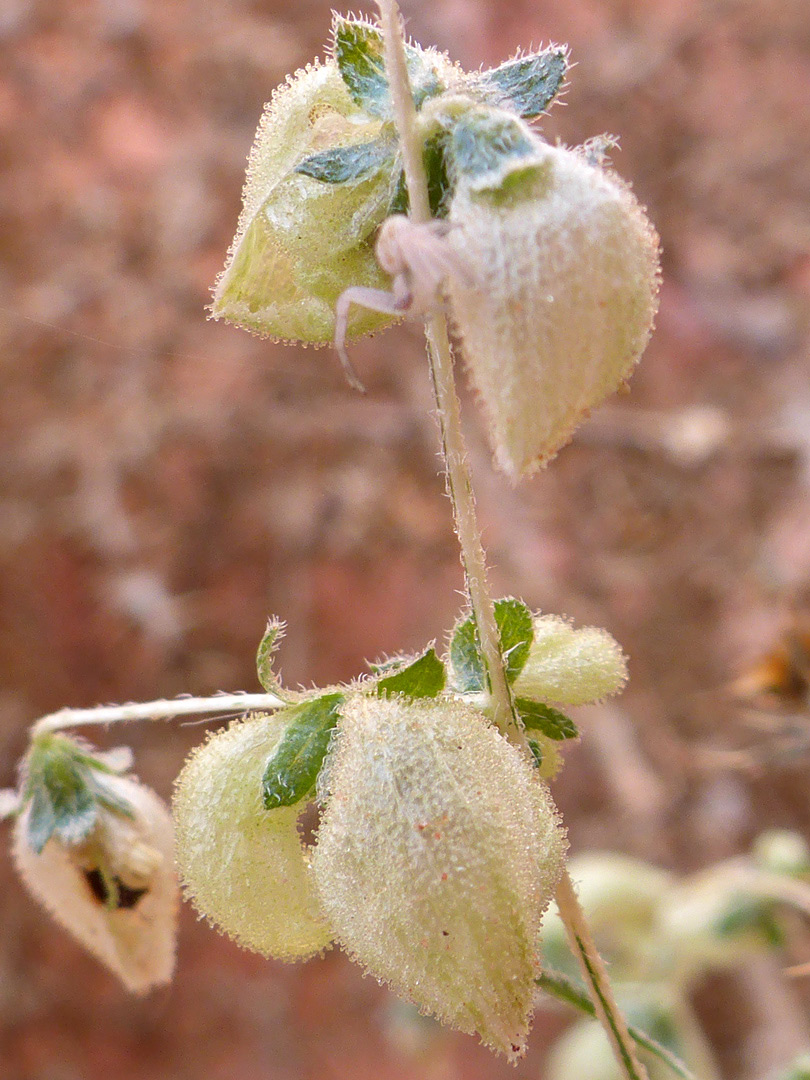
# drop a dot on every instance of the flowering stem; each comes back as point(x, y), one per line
point(156, 710)
point(459, 484)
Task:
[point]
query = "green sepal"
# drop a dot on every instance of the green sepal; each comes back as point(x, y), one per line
point(292, 771)
point(359, 52)
point(516, 631)
point(265, 653)
point(425, 677)
point(492, 150)
point(551, 722)
point(65, 793)
point(341, 164)
point(526, 85)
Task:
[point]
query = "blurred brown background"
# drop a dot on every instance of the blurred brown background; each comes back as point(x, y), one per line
point(167, 482)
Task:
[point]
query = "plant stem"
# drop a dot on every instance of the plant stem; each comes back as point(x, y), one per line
point(564, 989)
point(459, 482)
point(596, 978)
point(156, 710)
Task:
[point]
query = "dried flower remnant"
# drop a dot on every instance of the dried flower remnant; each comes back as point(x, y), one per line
point(243, 866)
point(438, 852)
point(107, 876)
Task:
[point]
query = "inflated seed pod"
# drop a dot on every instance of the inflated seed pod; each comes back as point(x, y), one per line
point(437, 854)
point(569, 665)
point(115, 890)
point(300, 241)
point(558, 300)
point(245, 867)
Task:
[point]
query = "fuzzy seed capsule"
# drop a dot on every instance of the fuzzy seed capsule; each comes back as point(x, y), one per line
point(437, 854)
point(569, 665)
point(299, 241)
point(559, 299)
point(116, 890)
point(243, 866)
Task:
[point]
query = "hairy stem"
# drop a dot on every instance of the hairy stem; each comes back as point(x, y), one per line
point(459, 482)
point(157, 710)
point(597, 981)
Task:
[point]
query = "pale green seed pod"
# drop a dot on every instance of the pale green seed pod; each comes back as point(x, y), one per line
point(115, 891)
point(245, 867)
point(300, 241)
point(558, 300)
point(438, 851)
point(571, 666)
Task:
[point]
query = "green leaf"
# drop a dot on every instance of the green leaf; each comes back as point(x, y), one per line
point(492, 149)
point(41, 819)
point(343, 163)
point(516, 630)
point(293, 769)
point(536, 751)
point(264, 657)
point(60, 788)
point(525, 85)
point(424, 678)
point(359, 53)
point(358, 50)
point(539, 717)
point(465, 656)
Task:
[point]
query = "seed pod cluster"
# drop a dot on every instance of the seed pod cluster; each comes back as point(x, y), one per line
point(558, 300)
point(115, 891)
point(245, 867)
point(437, 854)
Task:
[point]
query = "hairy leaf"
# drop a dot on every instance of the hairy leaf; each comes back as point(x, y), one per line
point(62, 793)
point(514, 621)
point(424, 678)
point(525, 85)
point(489, 146)
point(539, 717)
point(264, 657)
point(358, 50)
point(340, 164)
point(293, 769)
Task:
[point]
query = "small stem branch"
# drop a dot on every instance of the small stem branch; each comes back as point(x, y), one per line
point(596, 978)
point(459, 482)
point(156, 710)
